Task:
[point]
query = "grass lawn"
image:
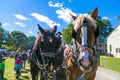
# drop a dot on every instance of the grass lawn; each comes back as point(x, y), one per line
point(9, 71)
point(25, 74)
point(110, 62)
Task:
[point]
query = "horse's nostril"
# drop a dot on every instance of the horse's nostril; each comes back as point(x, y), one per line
point(85, 63)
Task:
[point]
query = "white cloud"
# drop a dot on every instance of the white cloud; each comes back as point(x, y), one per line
point(30, 32)
point(21, 17)
point(51, 4)
point(6, 24)
point(64, 13)
point(20, 24)
point(106, 18)
point(45, 19)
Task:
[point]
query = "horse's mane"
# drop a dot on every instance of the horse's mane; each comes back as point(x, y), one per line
point(80, 18)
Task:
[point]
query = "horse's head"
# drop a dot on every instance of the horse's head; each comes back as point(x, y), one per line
point(85, 37)
point(47, 39)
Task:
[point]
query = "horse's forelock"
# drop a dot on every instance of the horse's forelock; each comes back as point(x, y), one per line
point(79, 21)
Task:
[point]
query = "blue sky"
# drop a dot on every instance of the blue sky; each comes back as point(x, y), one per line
point(24, 15)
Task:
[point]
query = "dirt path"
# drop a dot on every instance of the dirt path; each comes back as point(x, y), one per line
point(106, 74)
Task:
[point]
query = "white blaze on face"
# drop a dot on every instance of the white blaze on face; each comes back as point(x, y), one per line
point(85, 54)
point(84, 35)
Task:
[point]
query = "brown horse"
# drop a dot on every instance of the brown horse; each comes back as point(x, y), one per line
point(81, 57)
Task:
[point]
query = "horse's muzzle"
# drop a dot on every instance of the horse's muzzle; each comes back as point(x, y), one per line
point(84, 60)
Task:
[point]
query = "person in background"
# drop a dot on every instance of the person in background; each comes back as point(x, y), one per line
point(60, 50)
point(0, 57)
point(17, 53)
point(59, 38)
point(2, 68)
point(24, 58)
point(18, 66)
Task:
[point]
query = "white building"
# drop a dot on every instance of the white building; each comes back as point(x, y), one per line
point(113, 42)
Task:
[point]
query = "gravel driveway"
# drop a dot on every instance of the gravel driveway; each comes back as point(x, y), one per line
point(106, 74)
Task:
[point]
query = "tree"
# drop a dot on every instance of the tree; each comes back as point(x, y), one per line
point(1, 35)
point(17, 38)
point(28, 43)
point(67, 34)
point(105, 28)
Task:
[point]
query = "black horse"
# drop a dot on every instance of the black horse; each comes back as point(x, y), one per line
point(44, 57)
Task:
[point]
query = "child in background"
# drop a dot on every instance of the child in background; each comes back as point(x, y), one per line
point(18, 66)
point(2, 68)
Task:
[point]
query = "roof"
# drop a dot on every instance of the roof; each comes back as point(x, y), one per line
point(113, 30)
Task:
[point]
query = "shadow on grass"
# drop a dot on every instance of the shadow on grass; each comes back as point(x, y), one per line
point(24, 78)
point(25, 71)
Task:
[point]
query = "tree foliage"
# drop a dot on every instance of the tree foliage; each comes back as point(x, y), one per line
point(28, 43)
point(15, 40)
point(1, 35)
point(67, 34)
point(105, 28)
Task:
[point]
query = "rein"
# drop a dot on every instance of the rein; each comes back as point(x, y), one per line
point(35, 59)
point(85, 47)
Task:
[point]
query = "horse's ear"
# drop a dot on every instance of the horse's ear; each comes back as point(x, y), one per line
point(73, 17)
point(94, 14)
point(41, 29)
point(54, 29)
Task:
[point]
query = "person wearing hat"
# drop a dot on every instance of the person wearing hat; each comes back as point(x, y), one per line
point(2, 68)
point(59, 37)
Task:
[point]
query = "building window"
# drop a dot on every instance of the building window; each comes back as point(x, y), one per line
point(110, 48)
point(117, 50)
